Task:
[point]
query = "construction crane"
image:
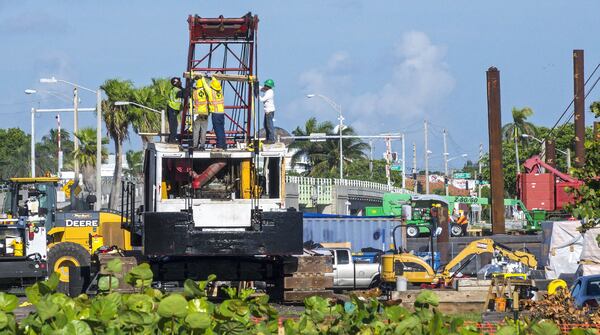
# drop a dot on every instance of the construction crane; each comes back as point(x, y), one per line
point(231, 220)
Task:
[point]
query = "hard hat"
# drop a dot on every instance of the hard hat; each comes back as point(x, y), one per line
point(215, 84)
point(175, 80)
point(555, 285)
point(270, 83)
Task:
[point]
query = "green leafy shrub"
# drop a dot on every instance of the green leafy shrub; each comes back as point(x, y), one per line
point(150, 311)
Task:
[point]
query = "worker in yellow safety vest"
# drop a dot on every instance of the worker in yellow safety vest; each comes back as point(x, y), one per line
point(200, 107)
point(176, 97)
point(216, 105)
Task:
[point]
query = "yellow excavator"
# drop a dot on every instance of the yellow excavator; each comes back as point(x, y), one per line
point(72, 235)
point(417, 271)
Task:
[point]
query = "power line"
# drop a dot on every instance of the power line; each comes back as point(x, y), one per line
point(573, 100)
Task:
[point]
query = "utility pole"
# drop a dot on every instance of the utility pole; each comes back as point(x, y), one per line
point(32, 143)
point(98, 203)
point(388, 160)
point(75, 146)
point(371, 158)
point(579, 106)
point(60, 153)
point(479, 178)
point(403, 163)
point(445, 159)
point(495, 137)
point(414, 169)
point(426, 159)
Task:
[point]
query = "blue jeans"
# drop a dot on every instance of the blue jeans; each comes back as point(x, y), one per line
point(269, 128)
point(218, 121)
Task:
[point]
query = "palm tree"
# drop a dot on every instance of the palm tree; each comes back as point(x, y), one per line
point(323, 157)
point(86, 155)
point(117, 119)
point(46, 152)
point(518, 127)
point(135, 160)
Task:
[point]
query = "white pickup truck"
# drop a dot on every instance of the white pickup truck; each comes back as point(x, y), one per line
point(351, 274)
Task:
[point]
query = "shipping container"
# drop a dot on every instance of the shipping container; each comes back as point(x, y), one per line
point(562, 196)
point(537, 191)
point(361, 232)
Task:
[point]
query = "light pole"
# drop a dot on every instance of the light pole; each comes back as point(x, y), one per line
point(446, 161)
point(53, 80)
point(33, 110)
point(566, 153)
point(337, 108)
point(161, 112)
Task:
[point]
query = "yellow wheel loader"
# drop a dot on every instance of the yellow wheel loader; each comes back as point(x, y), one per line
point(73, 236)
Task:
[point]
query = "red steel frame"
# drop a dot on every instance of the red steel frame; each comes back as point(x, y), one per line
point(213, 44)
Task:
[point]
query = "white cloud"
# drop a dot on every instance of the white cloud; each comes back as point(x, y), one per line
point(414, 86)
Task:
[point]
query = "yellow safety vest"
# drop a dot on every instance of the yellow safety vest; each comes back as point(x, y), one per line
point(215, 98)
point(200, 100)
point(174, 101)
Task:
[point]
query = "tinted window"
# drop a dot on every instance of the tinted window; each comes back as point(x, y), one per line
point(342, 257)
point(593, 287)
point(576, 289)
point(413, 267)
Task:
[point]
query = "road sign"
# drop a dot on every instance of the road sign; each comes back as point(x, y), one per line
point(483, 182)
point(396, 168)
point(462, 175)
point(318, 137)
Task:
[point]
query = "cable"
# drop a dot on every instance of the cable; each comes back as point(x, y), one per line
point(573, 113)
point(572, 101)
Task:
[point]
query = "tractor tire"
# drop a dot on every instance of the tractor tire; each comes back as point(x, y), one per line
point(456, 230)
point(72, 263)
point(412, 231)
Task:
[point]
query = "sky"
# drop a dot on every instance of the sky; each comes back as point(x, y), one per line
point(389, 64)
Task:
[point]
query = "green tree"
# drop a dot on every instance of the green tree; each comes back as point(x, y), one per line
point(154, 96)
point(359, 169)
point(46, 152)
point(520, 125)
point(86, 155)
point(587, 206)
point(323, 157)
point(14, 153)
point(117, 120)
point(135, 160)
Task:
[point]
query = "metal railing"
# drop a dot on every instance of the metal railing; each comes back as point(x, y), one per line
point(319, 191)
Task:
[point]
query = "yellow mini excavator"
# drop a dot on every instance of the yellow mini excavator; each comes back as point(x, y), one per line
point(417, 271)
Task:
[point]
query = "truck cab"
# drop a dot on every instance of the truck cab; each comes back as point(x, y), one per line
point(350, 273)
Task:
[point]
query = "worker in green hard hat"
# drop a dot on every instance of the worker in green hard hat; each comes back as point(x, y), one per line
point(268, 100)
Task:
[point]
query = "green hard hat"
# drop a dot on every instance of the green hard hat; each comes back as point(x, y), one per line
point(270, 83)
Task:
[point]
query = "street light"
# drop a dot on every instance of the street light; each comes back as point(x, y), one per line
point(460, 156)
point(337, 108)
point(53, 80)
point(446, 161)
point(566, 153)
point(60, 153)
point(161, 112)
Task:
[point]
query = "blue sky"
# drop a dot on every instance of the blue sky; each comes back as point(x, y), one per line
point(390, 64)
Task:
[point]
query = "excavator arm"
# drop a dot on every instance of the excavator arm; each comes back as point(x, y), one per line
point(486, 245)
point(535, 163)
